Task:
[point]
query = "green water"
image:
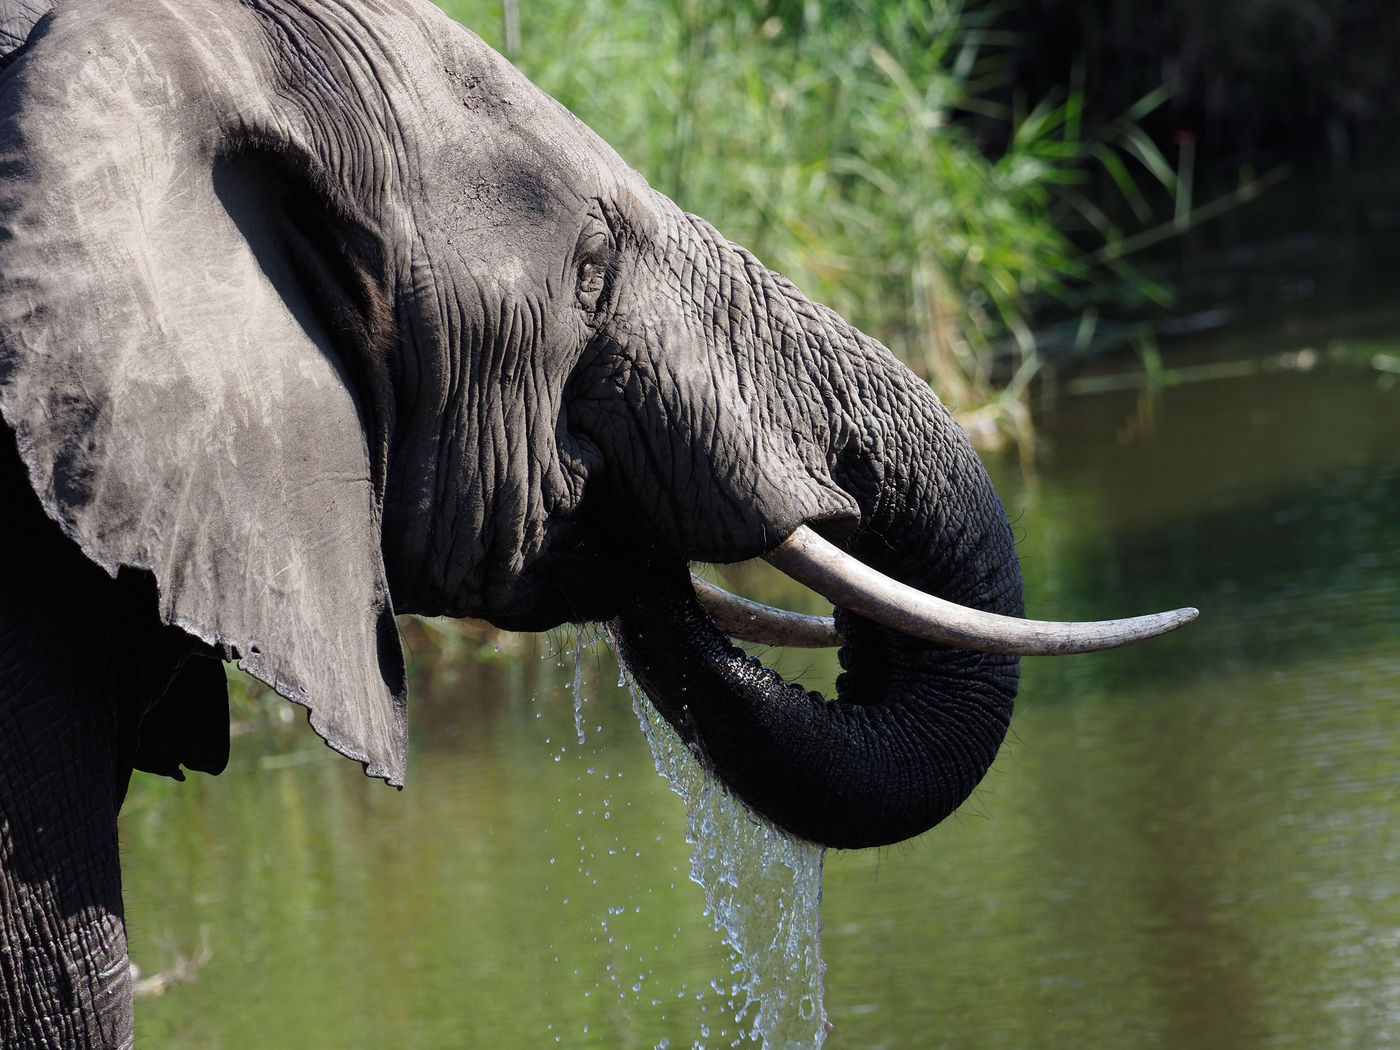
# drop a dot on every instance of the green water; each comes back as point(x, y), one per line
point(1192, 844)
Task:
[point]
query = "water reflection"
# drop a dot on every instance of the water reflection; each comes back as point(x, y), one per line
point(1191, 844)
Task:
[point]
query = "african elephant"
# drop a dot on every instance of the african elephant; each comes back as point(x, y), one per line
point(316, 311)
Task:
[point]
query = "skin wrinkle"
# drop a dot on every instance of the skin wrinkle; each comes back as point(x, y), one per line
point(641, 390)
point(516, 421)
point(956, 740)
point(370, 133)
point(414, 378)
point(400, 150)
point(440, 516)
point(712, 448)
point(789, 335)
point(525, 528)
point(494, 343)
point(707, 409)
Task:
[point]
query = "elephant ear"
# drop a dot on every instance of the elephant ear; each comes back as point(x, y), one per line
point(182, 404)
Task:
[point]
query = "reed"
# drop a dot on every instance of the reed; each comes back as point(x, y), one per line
point(834, 141)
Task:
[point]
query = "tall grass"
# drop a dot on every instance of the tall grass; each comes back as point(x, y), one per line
point(826, 138)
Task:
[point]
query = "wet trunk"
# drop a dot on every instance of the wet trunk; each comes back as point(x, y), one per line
point(911, 732)
point(914, 724)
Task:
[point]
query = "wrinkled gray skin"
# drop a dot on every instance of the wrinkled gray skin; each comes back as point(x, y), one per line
point(314, 311)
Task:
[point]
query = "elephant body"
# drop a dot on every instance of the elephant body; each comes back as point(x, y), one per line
point(313, 312)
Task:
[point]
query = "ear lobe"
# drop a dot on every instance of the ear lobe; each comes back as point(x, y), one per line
point(180, 407)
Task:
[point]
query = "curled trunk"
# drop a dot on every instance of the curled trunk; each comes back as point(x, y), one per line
point(914, 724)
point(877, 464)
point(913, 727)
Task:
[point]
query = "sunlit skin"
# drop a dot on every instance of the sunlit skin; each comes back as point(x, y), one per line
point(317, 311)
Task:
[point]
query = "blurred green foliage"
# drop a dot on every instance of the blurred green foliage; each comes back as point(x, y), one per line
point(827, 139)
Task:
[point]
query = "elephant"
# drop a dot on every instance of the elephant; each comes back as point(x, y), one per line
point(315, 312)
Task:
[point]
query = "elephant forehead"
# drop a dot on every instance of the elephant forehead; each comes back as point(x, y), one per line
point(472, 103)
point(501, 187)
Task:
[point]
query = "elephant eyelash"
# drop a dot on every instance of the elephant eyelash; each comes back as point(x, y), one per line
point(595, 272)
point(591, 278)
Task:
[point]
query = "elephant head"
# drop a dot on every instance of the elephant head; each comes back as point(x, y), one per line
point(317, 310)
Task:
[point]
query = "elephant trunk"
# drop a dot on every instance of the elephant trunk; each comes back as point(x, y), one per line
point(913, 727)
point(914, 724)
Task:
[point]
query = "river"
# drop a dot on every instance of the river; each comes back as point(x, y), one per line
point(1192, 844)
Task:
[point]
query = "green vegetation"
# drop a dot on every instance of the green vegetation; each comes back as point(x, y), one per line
point(830, 139)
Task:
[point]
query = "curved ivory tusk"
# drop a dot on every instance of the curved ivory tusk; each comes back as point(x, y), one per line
point(752, 621)
point(851, 584)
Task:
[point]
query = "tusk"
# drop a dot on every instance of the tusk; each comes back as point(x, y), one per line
point(849, 583)
point(754, 622)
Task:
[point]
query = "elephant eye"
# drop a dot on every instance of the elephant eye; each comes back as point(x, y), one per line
point(592, 278)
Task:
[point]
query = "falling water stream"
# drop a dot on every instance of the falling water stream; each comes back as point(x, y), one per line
point(762, 891)
point(581, 641)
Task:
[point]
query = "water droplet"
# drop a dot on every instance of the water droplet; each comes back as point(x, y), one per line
point(762, 891)
point(578, 684)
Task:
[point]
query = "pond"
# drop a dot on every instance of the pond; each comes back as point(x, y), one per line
point(1190, 844)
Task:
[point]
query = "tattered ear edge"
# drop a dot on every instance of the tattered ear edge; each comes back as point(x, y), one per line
point(115, 383)
point(389, 650)
point(248, 656)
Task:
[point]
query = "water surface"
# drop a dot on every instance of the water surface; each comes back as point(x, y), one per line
point(1192, 844)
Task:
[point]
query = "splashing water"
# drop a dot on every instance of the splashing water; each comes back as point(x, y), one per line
point(580, 643)
point(762, 889)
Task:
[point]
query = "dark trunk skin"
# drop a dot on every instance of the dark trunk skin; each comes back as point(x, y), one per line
point(914, 725)
point(913, 728)
point(83, 656)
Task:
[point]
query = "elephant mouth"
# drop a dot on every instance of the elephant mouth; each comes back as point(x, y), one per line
point(850, 584)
